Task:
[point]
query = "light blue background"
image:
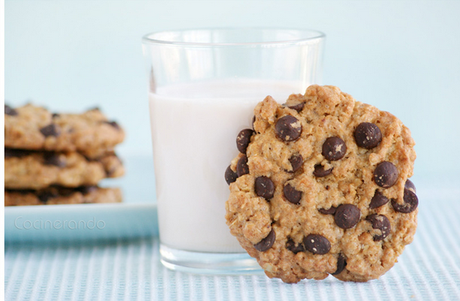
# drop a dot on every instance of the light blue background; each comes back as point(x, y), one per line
point(401, 56)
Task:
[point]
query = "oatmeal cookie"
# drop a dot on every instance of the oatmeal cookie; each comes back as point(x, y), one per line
point(321, 187)
point(37, 169)
point(35, 128)
point(60, 195)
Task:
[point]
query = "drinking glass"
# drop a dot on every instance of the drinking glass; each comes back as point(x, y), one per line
point(203, 87)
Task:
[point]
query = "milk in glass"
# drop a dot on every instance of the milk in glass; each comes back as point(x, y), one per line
point(194, 140)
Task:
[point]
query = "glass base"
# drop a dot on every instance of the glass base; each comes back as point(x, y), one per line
point(208, 263)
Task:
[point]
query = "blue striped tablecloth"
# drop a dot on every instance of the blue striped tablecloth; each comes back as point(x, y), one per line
point(429, 269)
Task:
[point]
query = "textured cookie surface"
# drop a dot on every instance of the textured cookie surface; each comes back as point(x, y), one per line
point(319, 188)
point(60, 195)
point(35, 128)
point(37, 170)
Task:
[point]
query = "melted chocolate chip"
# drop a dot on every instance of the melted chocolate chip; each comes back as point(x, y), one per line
point(16, 153)
point(409, 185)
point(10, 111)
point(50, 130)
point(266, 243)
point(317, 244)
point(242, 167)
point(334, 148)
point(328, 211)
point(296, 161)
point(243, 139)
point(378, 200)
point(291, 246)
point(341, 264)
point(55, 115)
point(410, 202)
point(367, 135)
point(230, 175)
point(385, 174)
point(347, 216)
point(380, 222)
point(321, 172)
point(291, 194)
point(264, 187)
point(288, 128)
point(53, 159)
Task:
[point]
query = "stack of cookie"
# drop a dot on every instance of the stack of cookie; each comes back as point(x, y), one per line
point(59, 158)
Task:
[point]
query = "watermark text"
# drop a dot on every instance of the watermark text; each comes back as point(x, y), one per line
point(21, 223)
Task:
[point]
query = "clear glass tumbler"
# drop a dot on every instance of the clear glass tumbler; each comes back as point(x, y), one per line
point(204, 85)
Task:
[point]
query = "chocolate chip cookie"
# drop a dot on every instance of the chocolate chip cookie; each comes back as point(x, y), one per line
point(321, 187)
point(59, 195)
point(35, 128)
point(38, 169)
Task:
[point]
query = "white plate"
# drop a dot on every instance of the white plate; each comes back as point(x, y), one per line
point(135, 217)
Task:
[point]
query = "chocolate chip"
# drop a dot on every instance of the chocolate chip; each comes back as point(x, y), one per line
point(266, 243)
point(242, 167)
point(298, 107)
point(410, 202)
point(291, 246)
point(291, 194)
point(86, 189)
point(243, 139)
point(111, 171)
point(10, 111)
point(65, 191)
point(328, 211)
point(264, 187)
point(341, 264)
point(21, 191)
point(113, 123)
point(367, 135)
point(230, 175)
point(53, 159)
point(409, 185)
point(94, 109)
point(334, 148)
point(347, 216)
point(380, 222)
point(16, 153)
point(50, 130)
point(317, 244)
point(296, 161)
point(385, 174)
point(321, 172)
point(378, 200)
point(55, 115)
point(288, 128)
point(44, 196)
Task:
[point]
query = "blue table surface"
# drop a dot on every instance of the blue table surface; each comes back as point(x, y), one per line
point(129, 269)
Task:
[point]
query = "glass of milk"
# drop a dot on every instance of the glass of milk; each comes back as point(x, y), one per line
point(203, 87)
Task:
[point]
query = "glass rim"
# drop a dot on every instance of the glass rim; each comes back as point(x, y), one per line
point(318, 35)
